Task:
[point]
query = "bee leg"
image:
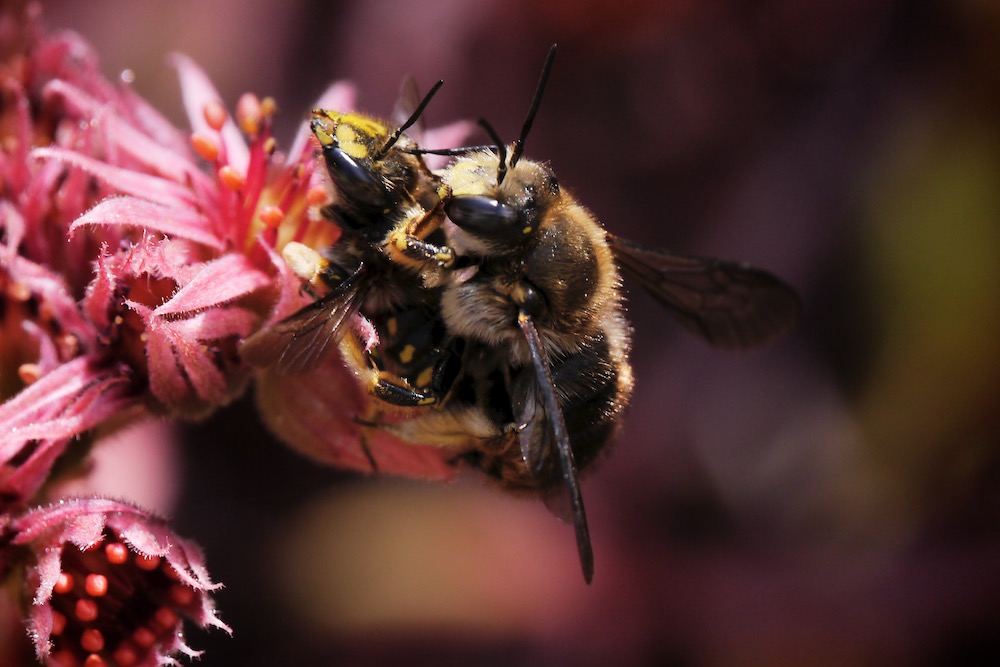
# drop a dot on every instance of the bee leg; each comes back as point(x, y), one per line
point(367, 451)
point(429, 386)
point(369, 421)
point(406, 244)
point(421, 252)
point(397, 391)
point(386, 387)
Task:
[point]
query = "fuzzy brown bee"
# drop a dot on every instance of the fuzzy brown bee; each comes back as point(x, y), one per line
point(515, 353)
point(545, 370)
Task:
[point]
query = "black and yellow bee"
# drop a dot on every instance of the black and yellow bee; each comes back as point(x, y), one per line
point(386, 204)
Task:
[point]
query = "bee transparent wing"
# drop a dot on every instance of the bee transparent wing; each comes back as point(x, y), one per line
point(406, 104)
point(729, 305)
point(532, 435)
point(297, 343)
point(536, 445)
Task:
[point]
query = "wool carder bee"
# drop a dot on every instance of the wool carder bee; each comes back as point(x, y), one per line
point(545, 370)
point(524, 371)
point(386, 204)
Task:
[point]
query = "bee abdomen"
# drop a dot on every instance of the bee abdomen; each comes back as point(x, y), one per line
point(593, 387)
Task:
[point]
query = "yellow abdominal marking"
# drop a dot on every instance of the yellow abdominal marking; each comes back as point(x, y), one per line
point(425, 376)
point(392, 326)
point(406, 354)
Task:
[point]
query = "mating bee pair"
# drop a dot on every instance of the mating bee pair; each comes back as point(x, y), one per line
point(497, 301)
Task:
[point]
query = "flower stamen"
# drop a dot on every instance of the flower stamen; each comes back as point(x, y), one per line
point(249, 114)
point(116, 552)
point(205, 146)
point(231, 179)
point(272, 215)
point(215, 115)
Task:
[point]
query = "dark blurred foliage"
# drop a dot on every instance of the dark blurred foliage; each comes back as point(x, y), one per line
point(830, 499)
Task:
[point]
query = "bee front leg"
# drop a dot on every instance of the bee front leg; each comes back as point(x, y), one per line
point(407, 245)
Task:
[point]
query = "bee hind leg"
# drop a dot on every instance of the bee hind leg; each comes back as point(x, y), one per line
point(397, 391)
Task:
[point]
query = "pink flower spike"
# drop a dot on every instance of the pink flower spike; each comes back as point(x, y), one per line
point(151, 579)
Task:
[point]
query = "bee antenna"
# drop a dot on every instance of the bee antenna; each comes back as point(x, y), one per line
point(515, 153)
point(394, 137)
point(501, 149)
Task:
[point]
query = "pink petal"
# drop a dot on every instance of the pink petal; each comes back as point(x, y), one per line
point(126, 181)
point(100, 292)
point(184, 222)
point(59, 411)
point(62, 392)
point(50, 288)
point(290, 297)
point(179, 364)
point(166, 382)
point(198, 91)
point(18, 484)
point(219, 281)
point(317, 413)
point(207, 380)
point(13, 223)
point(217, 323)
point(58, 517)
point(153, 122)
point(144, 148)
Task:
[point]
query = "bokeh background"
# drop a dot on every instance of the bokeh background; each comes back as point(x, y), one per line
point(831, 499)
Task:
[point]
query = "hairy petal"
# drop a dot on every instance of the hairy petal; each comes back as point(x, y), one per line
point(126, 181)
point(217, 282)
point(185, 223)
point(198, 91)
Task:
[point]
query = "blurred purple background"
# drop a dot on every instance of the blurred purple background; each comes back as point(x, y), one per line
point(831, 499)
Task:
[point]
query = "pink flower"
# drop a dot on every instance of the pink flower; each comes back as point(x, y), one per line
point(110, 582)
point(130, 273)
point(134, 260)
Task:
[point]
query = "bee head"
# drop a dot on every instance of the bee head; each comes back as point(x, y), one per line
point(501, 217)
point(350, 144)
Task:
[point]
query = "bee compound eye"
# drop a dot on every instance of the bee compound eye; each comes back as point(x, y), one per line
point(354, 181)
point(488, 218)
